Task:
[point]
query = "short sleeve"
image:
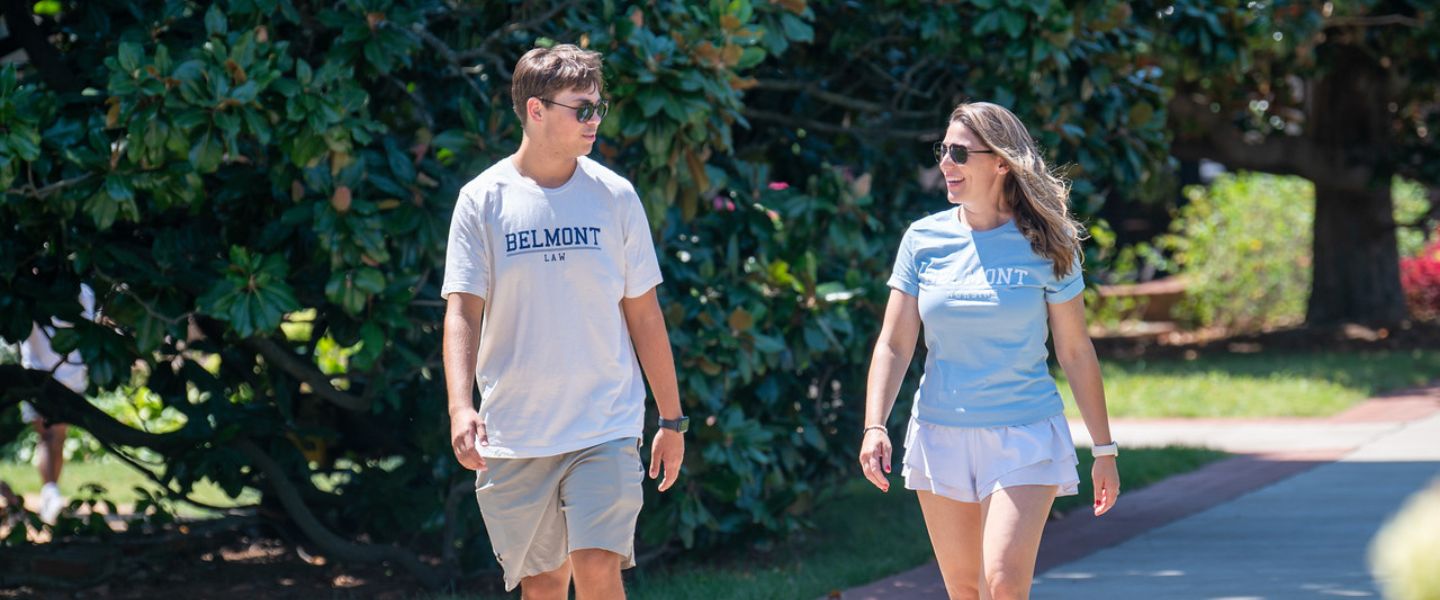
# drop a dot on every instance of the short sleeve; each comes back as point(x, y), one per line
point(904, 276)
point(642, 267)
point(467, 254)
point(1061, 290)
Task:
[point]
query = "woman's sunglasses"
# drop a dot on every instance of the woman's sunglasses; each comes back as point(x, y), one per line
point(586, 110)
point(958, 154)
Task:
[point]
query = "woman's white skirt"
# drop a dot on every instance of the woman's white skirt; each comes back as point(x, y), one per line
point(970, 463)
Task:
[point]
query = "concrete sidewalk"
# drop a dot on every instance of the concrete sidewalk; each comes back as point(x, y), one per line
point(1291, 517)
point(1304, 537)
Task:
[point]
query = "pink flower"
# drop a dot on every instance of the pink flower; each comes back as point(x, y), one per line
point(774, 216)
point(723, 203)
point(779, 186)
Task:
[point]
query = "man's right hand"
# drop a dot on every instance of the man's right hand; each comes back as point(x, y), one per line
point(466, 428)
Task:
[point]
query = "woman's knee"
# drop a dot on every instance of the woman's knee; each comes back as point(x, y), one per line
point(1007, 584)
point(963, 590)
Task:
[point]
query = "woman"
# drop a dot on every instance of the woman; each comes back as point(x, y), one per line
point(987, 445)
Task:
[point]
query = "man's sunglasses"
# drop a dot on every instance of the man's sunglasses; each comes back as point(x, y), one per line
point(958, 154)
point(586, 110)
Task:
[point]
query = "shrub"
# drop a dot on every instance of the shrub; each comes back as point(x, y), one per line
point(773, 295)
point(1411, 209)
point(1244, 246)
point(1420, 277)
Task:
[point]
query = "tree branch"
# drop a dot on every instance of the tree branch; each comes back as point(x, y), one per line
point(840, 100)
point(902, 134)
point(171, 493)
point(1372, 21)
point(319, 382)
point(419, 31)
point(1220, 140)
point(420, 106)
point(44, 192)
point(58, 403)
point(328, 541)
point(498, 34)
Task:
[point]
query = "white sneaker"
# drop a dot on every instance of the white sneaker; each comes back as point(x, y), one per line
point(51, 503)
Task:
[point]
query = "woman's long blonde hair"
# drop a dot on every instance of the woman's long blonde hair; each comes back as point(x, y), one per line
point(1038, 197)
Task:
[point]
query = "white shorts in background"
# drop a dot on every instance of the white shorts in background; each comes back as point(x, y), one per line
point(28, 414)
point(36, 353)
point(970, 463)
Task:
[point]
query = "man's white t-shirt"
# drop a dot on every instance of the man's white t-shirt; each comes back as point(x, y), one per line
point(556, 368)
point(36, 353)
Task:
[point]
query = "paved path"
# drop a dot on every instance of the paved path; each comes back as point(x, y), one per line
point(1290, 517)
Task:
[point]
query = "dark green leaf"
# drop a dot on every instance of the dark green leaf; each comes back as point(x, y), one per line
point(118, 187)
point(130, 56)
point(206, 153)
point(215, 23)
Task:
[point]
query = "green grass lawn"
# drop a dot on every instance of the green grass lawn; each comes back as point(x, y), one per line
point(1256, 385)
point(861, 536)
point(118, 479)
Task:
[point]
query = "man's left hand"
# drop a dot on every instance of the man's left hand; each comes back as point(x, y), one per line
point(667, 452)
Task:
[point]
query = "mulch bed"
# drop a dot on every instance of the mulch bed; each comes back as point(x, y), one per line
point(1347, 338)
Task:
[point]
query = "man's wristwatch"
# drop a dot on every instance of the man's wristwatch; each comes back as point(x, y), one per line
point(1110, 449)
point(680, 425)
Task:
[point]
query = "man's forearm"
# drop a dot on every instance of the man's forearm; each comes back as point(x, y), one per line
point(659, 366)
point(461, 343)
point(652, 346)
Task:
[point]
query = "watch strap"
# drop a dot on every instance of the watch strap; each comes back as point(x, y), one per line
point(681, 424)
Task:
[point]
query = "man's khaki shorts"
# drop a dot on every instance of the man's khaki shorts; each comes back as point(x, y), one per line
point(539, 510)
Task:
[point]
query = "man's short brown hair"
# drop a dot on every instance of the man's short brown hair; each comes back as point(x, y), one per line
point(544, 72)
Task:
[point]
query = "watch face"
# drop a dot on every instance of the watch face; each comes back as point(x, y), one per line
point(684, 424)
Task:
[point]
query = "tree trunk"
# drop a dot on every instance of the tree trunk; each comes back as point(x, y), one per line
point(1356, 263)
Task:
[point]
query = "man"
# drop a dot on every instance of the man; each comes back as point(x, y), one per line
point(552, 252)
point(36, 353)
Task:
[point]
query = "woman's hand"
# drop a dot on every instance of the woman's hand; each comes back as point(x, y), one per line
point(875, 458)
point(1107, 483)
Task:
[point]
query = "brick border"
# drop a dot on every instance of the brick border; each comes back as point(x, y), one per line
point(1081, 533)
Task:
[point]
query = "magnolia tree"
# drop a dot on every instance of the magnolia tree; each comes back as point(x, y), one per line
point(259, 191)
point(1344, 94)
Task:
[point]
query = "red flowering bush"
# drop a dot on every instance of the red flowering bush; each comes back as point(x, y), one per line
point(1420, 276)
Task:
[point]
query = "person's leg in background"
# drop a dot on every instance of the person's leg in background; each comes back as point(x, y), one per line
point(50, 451)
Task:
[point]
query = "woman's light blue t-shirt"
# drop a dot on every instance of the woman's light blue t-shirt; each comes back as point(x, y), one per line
point(982, 298)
